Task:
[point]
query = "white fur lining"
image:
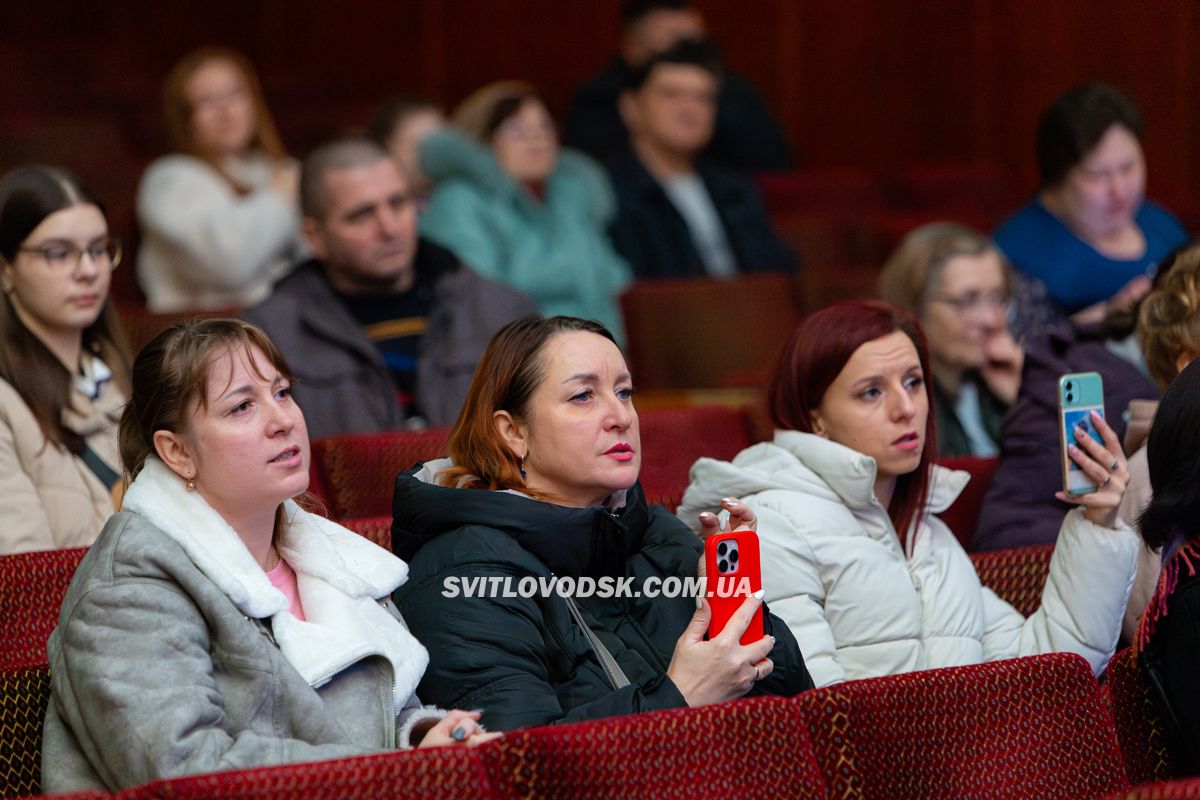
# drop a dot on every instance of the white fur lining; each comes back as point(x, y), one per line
point(339, 575)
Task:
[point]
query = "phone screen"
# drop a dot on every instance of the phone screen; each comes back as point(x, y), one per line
point(1077, 481)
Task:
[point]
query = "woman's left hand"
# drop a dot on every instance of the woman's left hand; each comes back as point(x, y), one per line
point(457, 727)
point(1002, 370)
point(741, 518)
point(1105, 464)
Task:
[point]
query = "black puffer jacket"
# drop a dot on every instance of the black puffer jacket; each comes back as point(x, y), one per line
point(524, 660)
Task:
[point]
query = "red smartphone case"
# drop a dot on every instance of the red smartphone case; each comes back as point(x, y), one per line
point(733, 572)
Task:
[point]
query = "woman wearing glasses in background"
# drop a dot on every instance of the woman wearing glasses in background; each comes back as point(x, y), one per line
point(957, 283)
point(64, 366)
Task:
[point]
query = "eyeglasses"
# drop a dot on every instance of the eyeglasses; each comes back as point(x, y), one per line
point(974, 302)
point(63, 256)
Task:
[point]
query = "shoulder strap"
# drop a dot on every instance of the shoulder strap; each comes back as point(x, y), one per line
point(103, 471)
point(611, 668)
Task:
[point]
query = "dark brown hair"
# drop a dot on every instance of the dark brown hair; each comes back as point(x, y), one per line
point(510, 370)
point(28, 195)
point(1076, 122)
point(816, 355)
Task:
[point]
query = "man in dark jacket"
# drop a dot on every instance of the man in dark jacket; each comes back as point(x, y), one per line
point(680, 214)
point(518, 652)
point(747, 137)
point(382, 328)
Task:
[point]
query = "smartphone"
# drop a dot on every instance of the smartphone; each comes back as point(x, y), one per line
point(732, 573)
point(1079, 394)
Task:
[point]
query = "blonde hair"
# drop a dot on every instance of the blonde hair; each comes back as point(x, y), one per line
point(1168, 322)
point(474, 115)
point(915, 267)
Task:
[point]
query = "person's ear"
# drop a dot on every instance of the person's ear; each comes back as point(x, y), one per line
point(174, 452)
point(1183, 359)
point(314, 234)
point(818, 425)
point(514, 434)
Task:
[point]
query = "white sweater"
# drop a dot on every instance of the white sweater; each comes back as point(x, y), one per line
point(203, 246)
point(835, 571)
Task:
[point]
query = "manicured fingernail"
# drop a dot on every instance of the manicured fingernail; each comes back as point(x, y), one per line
point(1096, 414)
point(729, 501)
point(760, 594)
point(475, 711)
point(458, 734)
point(699, 604)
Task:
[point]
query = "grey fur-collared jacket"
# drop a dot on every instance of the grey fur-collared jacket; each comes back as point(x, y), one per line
point(175, 655)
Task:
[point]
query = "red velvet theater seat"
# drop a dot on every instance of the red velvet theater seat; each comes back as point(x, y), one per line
point(1139, 719)
point(1174, 790)
point(1017, 575)
point(750, 748)
point(443, 772)
point(672, 440)
point(32, 586)
point(24, 693)
point(357, 472)
point(963, 515)
point(377, 529)
point(1023, 729)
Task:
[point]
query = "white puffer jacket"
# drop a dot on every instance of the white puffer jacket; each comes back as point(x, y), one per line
point(836, 572)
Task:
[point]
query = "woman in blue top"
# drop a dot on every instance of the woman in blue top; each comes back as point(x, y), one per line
point(1089, 235)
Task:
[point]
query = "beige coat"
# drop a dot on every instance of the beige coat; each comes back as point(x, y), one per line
point(49, 498)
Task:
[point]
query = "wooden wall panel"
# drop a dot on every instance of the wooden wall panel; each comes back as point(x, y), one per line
point(880, 84)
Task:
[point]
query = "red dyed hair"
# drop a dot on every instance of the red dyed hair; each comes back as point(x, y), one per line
point(816, 355)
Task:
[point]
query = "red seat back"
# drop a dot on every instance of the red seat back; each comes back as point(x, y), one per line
point(357, 472)
point(442, 772)
point(32, 586)
point(1017, 575)
point(24, 693)
point(1139, 719)
point(749, 748)
point(963, 515)
point(1027, 728)
point(377, 529)
point(672, 440)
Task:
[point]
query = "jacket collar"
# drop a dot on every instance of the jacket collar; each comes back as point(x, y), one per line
point(569, 541)
point(339, 576)
point(851, 474)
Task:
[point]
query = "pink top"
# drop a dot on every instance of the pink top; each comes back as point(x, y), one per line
point(283, 578)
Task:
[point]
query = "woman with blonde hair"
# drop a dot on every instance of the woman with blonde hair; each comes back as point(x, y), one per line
point(219, 217)
point(957, 283)
point(64, 366)
point(521, 210)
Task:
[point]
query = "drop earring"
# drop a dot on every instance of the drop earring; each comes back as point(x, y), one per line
point(521, 467)
point(191, 484)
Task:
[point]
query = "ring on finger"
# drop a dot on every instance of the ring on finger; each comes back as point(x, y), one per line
point(1107, 478)
point(757, 672)
point(1113, 467)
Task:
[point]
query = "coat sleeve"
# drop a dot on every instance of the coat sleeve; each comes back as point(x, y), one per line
point(1091, 573)
point(229, 239)
point(458, 219)
point(792, 581)
point(493, 653)
point(132, 677)
point(26, 526)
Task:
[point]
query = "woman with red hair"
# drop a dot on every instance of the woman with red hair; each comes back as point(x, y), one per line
point(854, 559)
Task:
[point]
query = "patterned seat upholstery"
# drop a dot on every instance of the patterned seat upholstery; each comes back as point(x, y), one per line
point(24, 693)
point(377, 529)
point(963, 514)
point(1174, 790)
point(1026, 728)
point(1017, 575)
point(357, 472)
point(32, 586)
point(749, 748)
point(672, 440)
point(442, 772)
point(1139, 719)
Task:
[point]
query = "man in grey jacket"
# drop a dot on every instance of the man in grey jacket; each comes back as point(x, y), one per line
point(382, 328)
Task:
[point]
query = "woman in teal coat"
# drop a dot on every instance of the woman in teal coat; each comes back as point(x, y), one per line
point(520, 210)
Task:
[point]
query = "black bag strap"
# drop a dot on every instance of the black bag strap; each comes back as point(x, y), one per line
point(107, 475)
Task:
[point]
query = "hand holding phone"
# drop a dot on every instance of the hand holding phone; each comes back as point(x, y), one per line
point(1095, 471)
point(733, 573)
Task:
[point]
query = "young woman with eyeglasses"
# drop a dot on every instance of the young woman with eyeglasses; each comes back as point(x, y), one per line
point(957, 283)
point(64, 365)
